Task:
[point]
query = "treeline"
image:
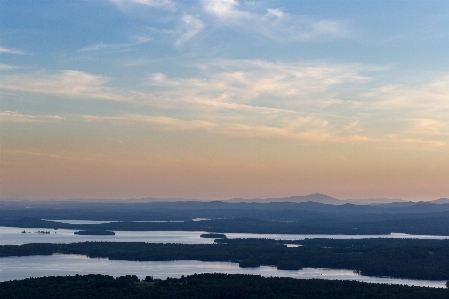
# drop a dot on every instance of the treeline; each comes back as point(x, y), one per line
point(345, 243)
point(407, 259)
point(210, 286)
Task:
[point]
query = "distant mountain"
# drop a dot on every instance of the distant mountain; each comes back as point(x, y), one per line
point(311, 198)
point(370, 201)
point(151, 199)
point(317, 197)
point(326, 199)
point(441, 201)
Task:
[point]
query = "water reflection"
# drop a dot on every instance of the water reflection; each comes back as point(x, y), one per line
point(12, 268)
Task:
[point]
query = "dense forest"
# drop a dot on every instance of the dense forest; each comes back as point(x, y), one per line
point(210, 286)
point(413, 259)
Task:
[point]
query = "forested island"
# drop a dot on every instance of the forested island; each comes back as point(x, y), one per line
point(206, 286)
point(213, 236)
point(95, 232)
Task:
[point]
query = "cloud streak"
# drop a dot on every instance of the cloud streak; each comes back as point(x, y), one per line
point(165, 4)
point(191, 27)
point(431, 97)
point(7, 67)
point(275, 23)
point(17, 117)
point(226, 10)
point(101, 46)
point(306, 129)
point(68, 83)
point(12, 51)
point(256, 98)
point(240, 84)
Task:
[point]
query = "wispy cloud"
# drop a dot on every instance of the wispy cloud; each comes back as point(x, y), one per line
point(428, 126)
point(191, 27)
point(406, 141)
point(243, 92)
point(275, 12)
point(275, 23)
point(7, 67)
point(270, 22)
point(244, 82)
point(226, 10)
point(256, 98)
point(67, 83)
point(12, 51)
point(13, 116)
point(161, 121)
point(239, 96)
point(305, 129)
point(429, 97)
point(168, 4)
point(101, 46)
point(308, 129)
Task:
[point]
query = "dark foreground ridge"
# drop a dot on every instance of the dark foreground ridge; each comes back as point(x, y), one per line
point(210, 286)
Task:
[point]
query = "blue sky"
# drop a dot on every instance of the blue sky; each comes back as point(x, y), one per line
point(224, 98)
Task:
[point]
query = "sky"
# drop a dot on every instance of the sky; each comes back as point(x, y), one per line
point(216, 99)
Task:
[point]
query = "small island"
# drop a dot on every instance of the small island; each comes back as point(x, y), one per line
point(249, 263)
point(95, 232)
point(213, 236)
point(289, 265)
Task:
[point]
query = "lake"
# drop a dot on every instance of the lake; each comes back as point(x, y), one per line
point(58, 264)
point(12, 268)
point(13, 236)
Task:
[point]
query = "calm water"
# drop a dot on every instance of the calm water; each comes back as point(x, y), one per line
point(101, 222)
point(13, 236)
point(80, 221)
point(12, 268)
